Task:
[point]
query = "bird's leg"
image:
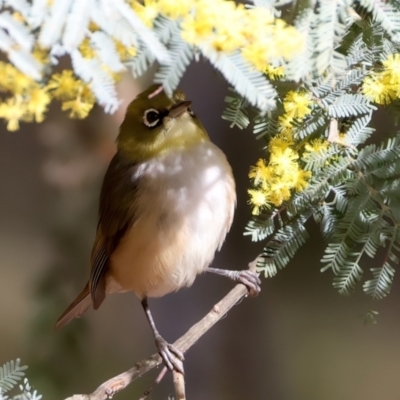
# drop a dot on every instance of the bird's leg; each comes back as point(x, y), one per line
point(172, 356)
point(249, 278)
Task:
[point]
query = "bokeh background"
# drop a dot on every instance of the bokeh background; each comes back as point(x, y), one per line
point(299, 340)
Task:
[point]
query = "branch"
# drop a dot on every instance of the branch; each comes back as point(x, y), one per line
point(114, 385)
point(179, 383)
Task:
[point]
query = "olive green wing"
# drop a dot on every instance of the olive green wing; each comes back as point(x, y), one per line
point(116, 214)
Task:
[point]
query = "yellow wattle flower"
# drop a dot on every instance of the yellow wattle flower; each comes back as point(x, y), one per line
point(261, 173)
point(297, 105)
point(392, 68)
point(13, 111)
point(274, 73)
point(258, 200)
point(78, 108)
point(315, 146)
point(147, 11)
point(174, 9)
point(376, 89)
point(38, 103)
point(86, 49)
point(64, 85)
point(125, 53)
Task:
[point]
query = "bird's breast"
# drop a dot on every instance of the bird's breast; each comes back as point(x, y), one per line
point(183, 211)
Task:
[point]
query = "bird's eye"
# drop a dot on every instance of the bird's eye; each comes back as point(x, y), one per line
point(151, 117)
point(190, 111)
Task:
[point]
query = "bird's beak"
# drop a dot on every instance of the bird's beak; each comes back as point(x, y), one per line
point(178, 109)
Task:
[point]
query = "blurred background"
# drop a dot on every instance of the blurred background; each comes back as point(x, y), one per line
point(299, 340)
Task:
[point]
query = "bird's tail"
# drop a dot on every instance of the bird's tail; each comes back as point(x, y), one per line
point(76, 308)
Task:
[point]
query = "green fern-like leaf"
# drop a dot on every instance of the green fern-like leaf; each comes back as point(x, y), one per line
point(141, 62)
point(359, 52)
point(283, 246)
point(164, 28)
point(372, 244)
point(27, 392)
point(379, 287)
point(351, 78)
point(373, 156)
point(236, 112)
point(339, 200)
point(260, 227)
point(385, 14)
point(181, 53)
point(388, 48)
point(328, 33)
point(246, 81)
point(320, 185)
point(321, 87)
point(330, 91)
point(388, 171)
point(391, 189)
point(265, 126)
point(342, 253)
point(350, 105)
point(300, 66)
point(310, 125)
point(10, 373)
point(319, 159)
point(349, 275)
point(325, 216)
point(359, 131)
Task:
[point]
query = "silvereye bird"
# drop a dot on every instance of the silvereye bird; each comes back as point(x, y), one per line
point(166, 205)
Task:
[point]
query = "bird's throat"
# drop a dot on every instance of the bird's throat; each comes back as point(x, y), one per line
point(180, 135)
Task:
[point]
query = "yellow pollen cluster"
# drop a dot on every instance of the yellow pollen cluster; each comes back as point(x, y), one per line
point(384, 87)
point(125, 53)
point(268, 38)
point(75, 95)
point(226, 26)
point(213, 25)
point(86, 49)
point(147, 11)
point(274, 73)
point(296, 106)
point(314, 146)
point(28, 101)
point(277, 180)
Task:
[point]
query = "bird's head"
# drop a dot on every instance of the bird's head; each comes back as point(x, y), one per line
point(155, 124)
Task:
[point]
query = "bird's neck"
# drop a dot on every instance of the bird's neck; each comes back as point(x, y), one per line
point(183, 136)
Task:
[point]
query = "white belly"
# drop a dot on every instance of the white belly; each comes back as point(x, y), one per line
point(184, 210)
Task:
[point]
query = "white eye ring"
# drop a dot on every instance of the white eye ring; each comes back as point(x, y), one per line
point(150, 123)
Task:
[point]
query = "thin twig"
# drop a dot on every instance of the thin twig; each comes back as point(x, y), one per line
point(156, 92)
point(109, 388)
point(159, 378)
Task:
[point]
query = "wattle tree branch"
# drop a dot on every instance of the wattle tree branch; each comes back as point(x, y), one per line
point(109, 388)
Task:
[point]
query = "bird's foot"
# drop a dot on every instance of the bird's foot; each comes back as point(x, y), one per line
point(250, 279)
point(172, 356)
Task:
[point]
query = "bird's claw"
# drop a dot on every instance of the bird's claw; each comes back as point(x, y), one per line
point(172, 356)
point(251, 280)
